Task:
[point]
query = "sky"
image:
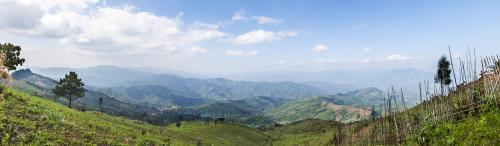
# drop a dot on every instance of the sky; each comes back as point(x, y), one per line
point(232, 36)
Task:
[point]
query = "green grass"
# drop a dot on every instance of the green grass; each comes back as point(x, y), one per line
point(482, 130)
point(305, 139)
point(305, 132)
point(36, 121)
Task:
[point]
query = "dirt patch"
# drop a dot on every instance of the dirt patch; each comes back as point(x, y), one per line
point(350, 109)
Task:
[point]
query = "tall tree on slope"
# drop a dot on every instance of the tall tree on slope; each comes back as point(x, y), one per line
point(443, 73)
point(69, 87)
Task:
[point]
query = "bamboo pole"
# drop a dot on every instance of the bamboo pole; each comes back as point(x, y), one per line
point(452, 67)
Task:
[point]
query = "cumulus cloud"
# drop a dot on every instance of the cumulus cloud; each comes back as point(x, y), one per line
point(266, 20)
point(394, 57)
point(320, 48)
point(239, 15)
point(241, 53)
point(86, 25)
point(258, 36)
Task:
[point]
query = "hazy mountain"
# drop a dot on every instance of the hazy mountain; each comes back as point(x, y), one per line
point(217, 88)
point(343, 80)
point(332, 88)
point(241, 108)
point(152, 95)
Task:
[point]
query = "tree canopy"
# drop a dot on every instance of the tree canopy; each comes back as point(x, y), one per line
point(9, 59)
point(69, 87)
point(443, 72)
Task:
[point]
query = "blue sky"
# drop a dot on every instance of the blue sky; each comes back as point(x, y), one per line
point(229, 36)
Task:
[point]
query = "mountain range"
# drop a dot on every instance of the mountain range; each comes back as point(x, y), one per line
point(115, 78)
point(165, 95)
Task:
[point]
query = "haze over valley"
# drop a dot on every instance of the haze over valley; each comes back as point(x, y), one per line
point(249, 72)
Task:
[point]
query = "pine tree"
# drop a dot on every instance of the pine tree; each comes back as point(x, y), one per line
point(70, 87)
point(443, 76)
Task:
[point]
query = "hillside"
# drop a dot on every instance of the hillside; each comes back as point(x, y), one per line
point(305, 132)
point(343, 107)
point(363, 97)
point(317, 108)
point(33, 120)
point(35, 84)
point(241, 108)
point(152, 95)
point(467, 115)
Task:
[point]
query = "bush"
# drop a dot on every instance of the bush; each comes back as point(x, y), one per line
point(178, 124)
point(2, 88)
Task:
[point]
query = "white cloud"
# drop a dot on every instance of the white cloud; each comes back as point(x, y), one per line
point(196, 50)
point(367, 49)
point(257, 36)
point(267, 20)
point(325, 61)
point(278, 62)
point(239, 15)
point(86, 25)
point(241, 53)
point(320, 48)
point(394, 57)
point(365, 61)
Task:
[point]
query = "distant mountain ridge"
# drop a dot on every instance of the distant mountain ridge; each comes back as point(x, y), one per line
point(215, 88)
point(348, 80)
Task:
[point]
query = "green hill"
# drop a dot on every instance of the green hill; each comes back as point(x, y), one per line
point(343, 107)
point(33, 120)
point(35, 84)
point(317, 108)
point(305, 132)
point(152, 95)
point(241, 108)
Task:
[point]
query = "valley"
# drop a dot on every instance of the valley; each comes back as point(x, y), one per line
point(188, 98)
point(249, 73)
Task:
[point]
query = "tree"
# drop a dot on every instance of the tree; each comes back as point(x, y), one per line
point(443, 73)
point(178, 124)
point(70, 87)
point(100, 103)
point(373, 114)
point(9, 59)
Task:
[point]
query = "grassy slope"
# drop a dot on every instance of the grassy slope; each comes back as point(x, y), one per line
point(482, 130)
point(32, 120)
point(306, 132)
point(313, 108)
